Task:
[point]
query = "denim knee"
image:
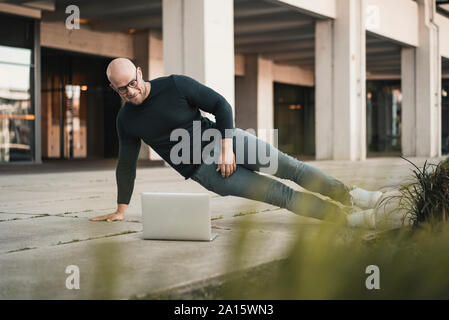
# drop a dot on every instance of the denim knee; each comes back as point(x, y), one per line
point(279, 194)
point(289, 167)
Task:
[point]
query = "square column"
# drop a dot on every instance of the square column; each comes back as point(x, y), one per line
point(349, 81)
point(340, 70)
point(324, 97)
point(428, 83)
point(148, 56)
point(199, 42)
point(254, 97)
point(408, 109)
point(421, 89)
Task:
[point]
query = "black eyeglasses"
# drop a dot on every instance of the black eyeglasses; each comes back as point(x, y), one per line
point(131, 84)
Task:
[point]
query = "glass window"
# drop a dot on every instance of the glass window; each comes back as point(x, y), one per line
point(16, 108)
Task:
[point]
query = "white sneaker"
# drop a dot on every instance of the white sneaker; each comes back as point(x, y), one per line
point(362, 219)
point(365, 199)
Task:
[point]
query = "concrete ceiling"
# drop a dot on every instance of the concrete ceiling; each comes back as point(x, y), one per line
point(266, 27)
point(443, 6)
point(287, 36)
point(112, 15)
point(275, 31)
point(383, 57)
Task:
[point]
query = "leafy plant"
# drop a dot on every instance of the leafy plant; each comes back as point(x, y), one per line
point(426, 198)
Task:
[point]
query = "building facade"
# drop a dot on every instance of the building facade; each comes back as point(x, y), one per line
point(338, 79)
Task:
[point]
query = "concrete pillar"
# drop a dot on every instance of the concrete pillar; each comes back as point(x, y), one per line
point(156, 59)
point(324, 106)
point(199, 42)
point(349, 76)
point(428, 83)
point(156, 69)
point(421, 89)
point(408, 111)
point(254, 97)
point(148, 56)
point(341, 84)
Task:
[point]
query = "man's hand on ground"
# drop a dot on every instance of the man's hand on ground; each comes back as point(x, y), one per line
point(118, 215)
point(227, 164)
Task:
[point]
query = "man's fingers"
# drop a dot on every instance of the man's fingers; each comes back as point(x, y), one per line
point(100, 217)
point(116, 218)
point(109, 217)
point(228, 170)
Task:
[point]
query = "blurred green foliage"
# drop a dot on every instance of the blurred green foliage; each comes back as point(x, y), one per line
point(330, 264)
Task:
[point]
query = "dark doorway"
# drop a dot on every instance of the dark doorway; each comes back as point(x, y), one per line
point(78, 107)
point(383, 117)
point(294, 117)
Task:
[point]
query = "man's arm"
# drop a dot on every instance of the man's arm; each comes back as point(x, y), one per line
point(206, 99)
point(125, 173)
point(212, 102)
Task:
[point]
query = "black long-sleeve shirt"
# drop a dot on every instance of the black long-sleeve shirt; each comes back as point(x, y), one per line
point(173, 102)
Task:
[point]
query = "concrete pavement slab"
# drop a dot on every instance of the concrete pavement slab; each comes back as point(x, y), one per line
point(14, 216)
point(47, 231)
point(126, 265)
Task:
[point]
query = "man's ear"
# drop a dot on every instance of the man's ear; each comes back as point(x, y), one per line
point(139, 71)
point(113, 88)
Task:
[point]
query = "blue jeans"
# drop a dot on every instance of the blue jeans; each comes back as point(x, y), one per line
point(246, 182)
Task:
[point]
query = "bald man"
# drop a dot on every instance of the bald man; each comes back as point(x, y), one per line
point(155, 108)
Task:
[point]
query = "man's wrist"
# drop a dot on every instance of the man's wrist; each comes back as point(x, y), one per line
point(226, 143)
point(121, 208)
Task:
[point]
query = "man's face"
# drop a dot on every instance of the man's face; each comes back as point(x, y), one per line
point(130, 86)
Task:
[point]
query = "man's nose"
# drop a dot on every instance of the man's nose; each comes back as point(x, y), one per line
point(131, 91)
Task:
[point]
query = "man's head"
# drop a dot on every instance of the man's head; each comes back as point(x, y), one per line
point(126, 79)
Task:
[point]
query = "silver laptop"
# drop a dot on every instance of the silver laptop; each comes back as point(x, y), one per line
point(176, 216)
